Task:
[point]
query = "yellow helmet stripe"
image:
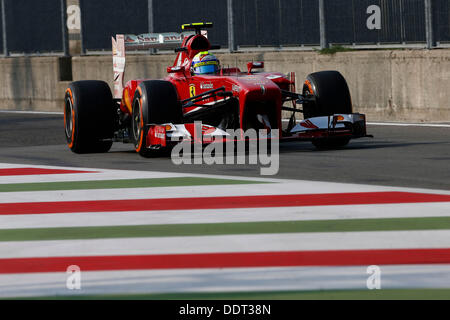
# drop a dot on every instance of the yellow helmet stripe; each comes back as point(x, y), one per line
point(206, 63)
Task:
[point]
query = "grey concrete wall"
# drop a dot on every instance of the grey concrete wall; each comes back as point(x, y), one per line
point(411, 85)
point(400, 85)
point(31, 83)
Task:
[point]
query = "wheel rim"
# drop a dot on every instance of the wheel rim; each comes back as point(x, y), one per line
point(68, 119)
point(136, 121)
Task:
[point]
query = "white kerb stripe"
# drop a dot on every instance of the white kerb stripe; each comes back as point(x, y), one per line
point(416, 210)
point(229, 243)
point(223, 280)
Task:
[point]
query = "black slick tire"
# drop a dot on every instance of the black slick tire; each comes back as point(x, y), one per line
point(89, 116)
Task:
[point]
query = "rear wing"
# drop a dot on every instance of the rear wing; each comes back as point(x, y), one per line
point(146, 41)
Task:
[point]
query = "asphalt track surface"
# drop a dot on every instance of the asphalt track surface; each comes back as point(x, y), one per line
point(405, 156)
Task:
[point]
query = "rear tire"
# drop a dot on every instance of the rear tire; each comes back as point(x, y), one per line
point(154, 102)
point(332, 96)
point(89, 116)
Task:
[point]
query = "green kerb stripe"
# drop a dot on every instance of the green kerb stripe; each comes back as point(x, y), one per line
point(390, 294)
point(124, 183)
point(211, 229)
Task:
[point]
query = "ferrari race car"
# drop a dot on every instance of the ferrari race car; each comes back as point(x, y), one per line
point(156, 114)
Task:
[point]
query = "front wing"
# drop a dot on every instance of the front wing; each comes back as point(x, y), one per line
point(339, 125)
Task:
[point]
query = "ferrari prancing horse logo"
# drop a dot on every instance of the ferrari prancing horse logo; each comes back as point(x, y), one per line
point(192, 90)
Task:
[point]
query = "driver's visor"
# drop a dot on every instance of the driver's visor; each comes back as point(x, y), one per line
point(206, 69)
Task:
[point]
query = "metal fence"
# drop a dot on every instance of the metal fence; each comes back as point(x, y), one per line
point(39, 27)
point(2, 38)
point(168, 15)
point(275, 23)
point(103, 19)
point(33, 27)
point(401, 21)
point(441, 18)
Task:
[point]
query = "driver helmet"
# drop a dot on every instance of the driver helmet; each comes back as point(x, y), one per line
point(204, 63)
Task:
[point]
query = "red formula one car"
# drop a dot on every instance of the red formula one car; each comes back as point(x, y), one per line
point(155, 114)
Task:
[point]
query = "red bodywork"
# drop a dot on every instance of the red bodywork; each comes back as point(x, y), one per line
point(230, 99)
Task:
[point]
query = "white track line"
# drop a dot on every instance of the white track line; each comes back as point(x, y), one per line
point(108, 174)
point(400, 124)
point(101, 175)
point(395, 124)
point(224, 280)
point(91, 219)
point(90, 175)
point(189, 192)
point(32, 112)
point(228, 243)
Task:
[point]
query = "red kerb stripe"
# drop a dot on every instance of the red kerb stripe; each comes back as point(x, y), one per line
point(292, 200)
point(229, 260)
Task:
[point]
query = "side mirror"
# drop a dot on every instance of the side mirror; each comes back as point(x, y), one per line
point(254, 65)
point(174, 69)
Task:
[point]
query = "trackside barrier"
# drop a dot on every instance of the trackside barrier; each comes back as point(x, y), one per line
point(238, 24)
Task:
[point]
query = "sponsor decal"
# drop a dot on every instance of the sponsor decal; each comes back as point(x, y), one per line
point(207, 129)
point(206, 86)
point(174, 37)
point(118, 64)
point(147, 37)
point(157, 136)
point(308, 124)
point(192, 90)
point(258, 80)
point(129, 38)
point(272, 77)
point(236, 88)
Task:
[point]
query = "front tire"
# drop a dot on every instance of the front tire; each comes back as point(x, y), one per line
point(154, 102)
point(89, 116)
point(331, 96)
